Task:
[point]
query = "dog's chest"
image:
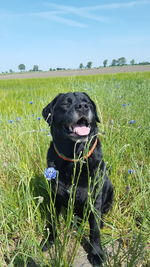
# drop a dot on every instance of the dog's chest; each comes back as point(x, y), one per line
point(74, 175)
point(74, 184)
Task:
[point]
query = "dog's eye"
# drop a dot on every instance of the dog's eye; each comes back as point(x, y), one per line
point(86, 101)
point(65, 105)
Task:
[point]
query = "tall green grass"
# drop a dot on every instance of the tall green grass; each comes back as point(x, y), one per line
point(25, 194)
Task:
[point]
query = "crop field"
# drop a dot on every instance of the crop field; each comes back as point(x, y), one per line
point(76, 72)
point(123, 104)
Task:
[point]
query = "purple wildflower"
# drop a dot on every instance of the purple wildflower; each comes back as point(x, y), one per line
point(124, 105)
point(18, 119)
point(130, 171)
point(38, 118)
point(30, 102)
point(132, 121)
point(50, 173)
point(10, 121)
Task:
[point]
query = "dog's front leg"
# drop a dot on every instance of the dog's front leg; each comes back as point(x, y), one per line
point(96, 254)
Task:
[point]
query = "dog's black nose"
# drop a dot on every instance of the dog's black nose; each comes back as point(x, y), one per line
point(82, 106)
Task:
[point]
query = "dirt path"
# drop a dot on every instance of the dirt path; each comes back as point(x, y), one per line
point(78, 72)
point(81, 259)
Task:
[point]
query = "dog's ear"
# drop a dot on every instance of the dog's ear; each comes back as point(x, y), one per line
point(94, 107)
point(48, 110)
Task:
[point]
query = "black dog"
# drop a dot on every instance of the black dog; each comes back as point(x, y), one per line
point(73, 119)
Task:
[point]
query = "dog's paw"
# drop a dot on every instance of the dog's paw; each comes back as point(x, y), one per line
point(96, 257)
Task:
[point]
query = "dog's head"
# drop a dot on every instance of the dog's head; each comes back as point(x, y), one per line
point(72, 115)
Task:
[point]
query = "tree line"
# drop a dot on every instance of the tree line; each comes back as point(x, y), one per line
point(115, 62)
point(22, 67)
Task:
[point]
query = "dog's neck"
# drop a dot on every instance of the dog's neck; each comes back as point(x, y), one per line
point(74, 149)
point(82, 155)
point(66, 146)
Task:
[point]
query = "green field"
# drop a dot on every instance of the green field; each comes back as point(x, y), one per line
point(123, 103)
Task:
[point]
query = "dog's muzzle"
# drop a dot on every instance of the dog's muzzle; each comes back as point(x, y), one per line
point(81, 127)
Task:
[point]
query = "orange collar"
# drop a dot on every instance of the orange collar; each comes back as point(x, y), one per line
point(75, 160)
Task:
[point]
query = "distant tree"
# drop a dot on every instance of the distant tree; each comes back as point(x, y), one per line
point(114, 62)
point(35, 68)
point(89, 65)
point(144, 63)
point(11, 71)
point(60, 68)
point(22, 67)
point(132, 62)
point(81, 66)
point(105, 62)
point(121, 61)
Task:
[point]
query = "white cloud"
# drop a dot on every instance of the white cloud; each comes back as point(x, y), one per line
point(60, 11)
point(54, 16)
point(116, 5)
point(82, 12)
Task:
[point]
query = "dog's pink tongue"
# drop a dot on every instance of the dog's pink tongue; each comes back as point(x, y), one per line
point(81, 130)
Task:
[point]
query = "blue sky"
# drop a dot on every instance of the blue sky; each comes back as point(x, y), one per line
point(65, 33)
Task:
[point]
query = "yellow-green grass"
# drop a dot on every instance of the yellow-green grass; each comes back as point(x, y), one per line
point(123, 103)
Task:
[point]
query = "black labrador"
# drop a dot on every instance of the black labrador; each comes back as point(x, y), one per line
point(75, 146)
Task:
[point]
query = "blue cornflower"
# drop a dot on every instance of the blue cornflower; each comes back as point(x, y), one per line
point(130, 171)
point(10, 121)
point(124, 105)
point(18, 119)
point(30, 102)
point(50, 173)
point(132, 121)
point(38, 118)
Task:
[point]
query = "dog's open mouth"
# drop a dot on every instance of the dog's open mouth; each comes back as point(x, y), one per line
point(80, 128)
